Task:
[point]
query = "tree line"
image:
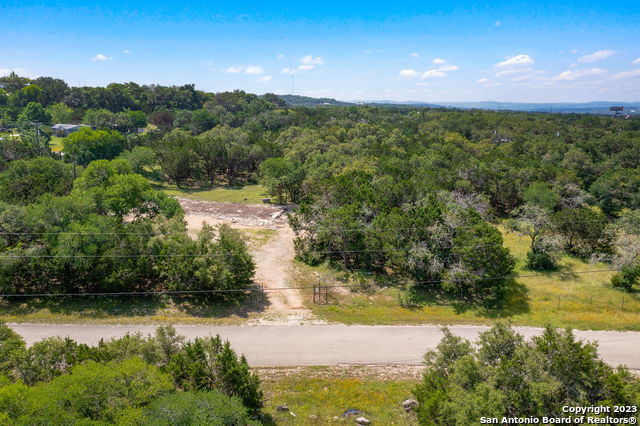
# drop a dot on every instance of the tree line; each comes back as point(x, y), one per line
point(106, 231)
point(566, 180)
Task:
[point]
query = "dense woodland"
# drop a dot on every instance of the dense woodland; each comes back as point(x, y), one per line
point(410, 195)
point(504, 375)
point(160, 379)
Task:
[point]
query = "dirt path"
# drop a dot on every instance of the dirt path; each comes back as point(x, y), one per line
point(273, 266)
point(274, 259)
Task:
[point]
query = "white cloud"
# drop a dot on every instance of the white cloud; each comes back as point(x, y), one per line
point(264, 78)
point(422, 84)
point(280, 56)
point(288, 71)
point(497, 23)
point(253, 69)
point(306, 67)
point(573, 51)
point(101, 57)
point(126, 51)
point(249, 69)
point(439, 61)
point(627, 74)
point(578, 74)
point(408, 73)
point(597, 56)
point(433, 74)
point(414, 55)
point(439, 72)
point(234, 70)
point(483, 80)
point(310, 60)
point(635, 62)
point(515, 61)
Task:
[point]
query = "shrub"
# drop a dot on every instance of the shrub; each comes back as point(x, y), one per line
point(505, 375)
point(92, 392)
point(199, 408)
point(540, 260)
point(627, 278)
point(10, 343)
point(207, 364)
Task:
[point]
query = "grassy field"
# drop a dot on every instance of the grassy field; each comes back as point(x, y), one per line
point(570, 297)
point(246, 194)
point(315, 395)
point(56, 143)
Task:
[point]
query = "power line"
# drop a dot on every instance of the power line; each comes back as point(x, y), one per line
point(324, 228)
point(388, 250)
point(94, 256)
point(364, 227)
point(256, 289)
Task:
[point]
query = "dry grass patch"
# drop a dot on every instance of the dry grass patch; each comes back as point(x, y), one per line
point(573, 296)
point(316, 395)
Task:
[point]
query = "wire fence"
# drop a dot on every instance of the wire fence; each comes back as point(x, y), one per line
point(625, 302)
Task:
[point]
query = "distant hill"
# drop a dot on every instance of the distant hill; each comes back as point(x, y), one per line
point(296, 100)
point(599, 107)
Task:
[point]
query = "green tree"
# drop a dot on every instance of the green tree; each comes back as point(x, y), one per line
point(210, 364)
point(26, 95)
point(504, 375)
point(13, 82)
point(177, 158)
point(138, 119)
point(617, 189)
point(25, 180)
point(10, 344)
point(202, 120)
point(87, 145)
point(34, 113)
point(584, 230)
point(283, 179)
point(541, 194)
point(484, 264)
point(536, 222)
point(143, 160)
point(90, 393)
point(60, 113)
point(100, 118)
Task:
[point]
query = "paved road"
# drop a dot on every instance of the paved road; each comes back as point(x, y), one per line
point(275, 346)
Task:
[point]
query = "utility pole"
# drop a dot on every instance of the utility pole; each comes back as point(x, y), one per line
point(37, 129)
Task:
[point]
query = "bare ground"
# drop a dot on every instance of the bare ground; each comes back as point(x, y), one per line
point(382, 372)
point(274, 259)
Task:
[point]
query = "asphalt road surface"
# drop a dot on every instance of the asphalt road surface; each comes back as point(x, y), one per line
point(280, 346)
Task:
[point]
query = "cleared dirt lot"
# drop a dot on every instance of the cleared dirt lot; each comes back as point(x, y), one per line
point(274, 259)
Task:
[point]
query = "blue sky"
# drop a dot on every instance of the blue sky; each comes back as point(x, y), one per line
point(539, 51)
